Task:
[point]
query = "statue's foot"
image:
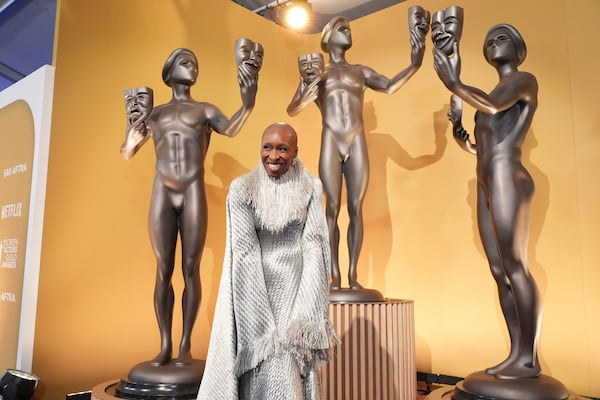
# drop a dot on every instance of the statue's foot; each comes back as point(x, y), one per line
point(517, 370)
point(162, 358)
point(492, 370)
point(354, 285)
point(336, 284)
point(184, 358)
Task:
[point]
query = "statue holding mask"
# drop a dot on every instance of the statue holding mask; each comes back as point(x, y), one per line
point(504, 193)
point(181, 131)
point(338, 90)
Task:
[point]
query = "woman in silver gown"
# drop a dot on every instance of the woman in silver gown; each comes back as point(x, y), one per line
point(271, 331)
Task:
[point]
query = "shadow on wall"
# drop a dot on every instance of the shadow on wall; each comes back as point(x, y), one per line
point(377, 245)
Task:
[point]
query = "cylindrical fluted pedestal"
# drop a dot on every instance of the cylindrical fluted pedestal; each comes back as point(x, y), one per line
point(445, 393)
point(376, 359)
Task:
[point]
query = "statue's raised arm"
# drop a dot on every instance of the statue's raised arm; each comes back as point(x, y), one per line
point(418, 24)
point(249, 58)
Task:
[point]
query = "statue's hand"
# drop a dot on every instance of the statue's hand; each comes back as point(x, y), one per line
point(417, 44)
point(248, 80)
point(137, 133)
point(455, 63)
point(311, 90)
point(461, 136)
point(455, 110)
point(445, 67)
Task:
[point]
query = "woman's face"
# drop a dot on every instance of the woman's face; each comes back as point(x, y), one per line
point(278, 149)
point(446, 28)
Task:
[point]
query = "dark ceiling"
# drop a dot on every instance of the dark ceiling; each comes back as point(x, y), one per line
point(26, 37)
point(27, 29)
point(322, 10)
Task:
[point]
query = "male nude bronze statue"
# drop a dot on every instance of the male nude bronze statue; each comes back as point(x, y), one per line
point(504, 187)
point(338, 91)
point(181, 131)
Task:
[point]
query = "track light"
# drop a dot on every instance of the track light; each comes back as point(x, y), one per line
point(296, 13)
point(17, 385)
point(290, 13)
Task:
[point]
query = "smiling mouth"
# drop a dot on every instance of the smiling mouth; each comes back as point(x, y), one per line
point(443, 41)
point(251, 64)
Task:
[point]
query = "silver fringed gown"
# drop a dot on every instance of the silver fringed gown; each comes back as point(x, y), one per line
point(271, 332)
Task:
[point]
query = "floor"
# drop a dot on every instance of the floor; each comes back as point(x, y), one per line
point(423, 390)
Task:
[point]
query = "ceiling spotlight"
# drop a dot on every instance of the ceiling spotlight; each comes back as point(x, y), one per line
point(17, 385)
point(295, 13)
point(290, 13)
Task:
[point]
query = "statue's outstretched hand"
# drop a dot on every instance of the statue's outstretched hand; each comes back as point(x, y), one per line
point(417, 45)
point(447, 68)
point(248, 80)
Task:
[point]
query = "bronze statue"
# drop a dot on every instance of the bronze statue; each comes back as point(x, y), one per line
point(446, 28)
point(181, 131)
point(338, 91)
point(504, 187)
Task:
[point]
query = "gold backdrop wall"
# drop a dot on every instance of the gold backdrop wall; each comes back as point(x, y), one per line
point(95, 314)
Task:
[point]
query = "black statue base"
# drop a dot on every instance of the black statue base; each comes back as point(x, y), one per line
point(482, 386)
point(163, 382)
point(347, 295)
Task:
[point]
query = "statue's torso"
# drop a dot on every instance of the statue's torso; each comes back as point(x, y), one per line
point(181, 135)
point(341, 103)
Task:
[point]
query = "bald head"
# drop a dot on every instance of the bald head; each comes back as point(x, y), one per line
point(279, 147)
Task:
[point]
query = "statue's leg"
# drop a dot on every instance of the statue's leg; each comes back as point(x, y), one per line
point(505, 295)
point(162, 223)
point(330, 172)
point(193, 224)
point(356, 173)
point(510, 203)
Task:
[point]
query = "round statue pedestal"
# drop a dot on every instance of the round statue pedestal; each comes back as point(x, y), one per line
point(347, 295)
point(482, 386)
point(146, 381)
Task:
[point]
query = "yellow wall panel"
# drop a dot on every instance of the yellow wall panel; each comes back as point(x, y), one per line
point(95, 314)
